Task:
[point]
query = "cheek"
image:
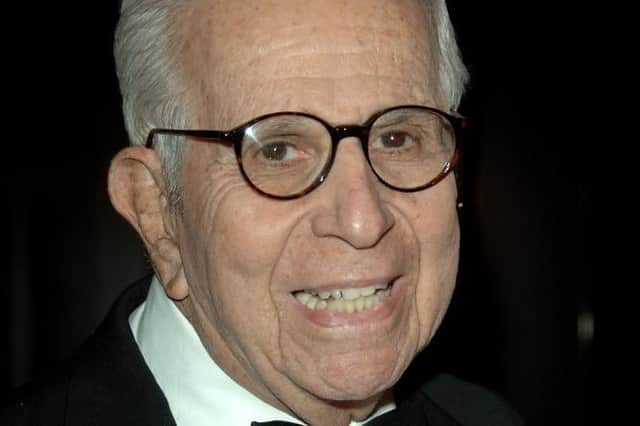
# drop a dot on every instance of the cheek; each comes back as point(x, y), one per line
point(233, 239)
point(438, 233)
point(228, 227)
point(434, 293)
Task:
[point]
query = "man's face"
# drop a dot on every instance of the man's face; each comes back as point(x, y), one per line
point(246, 256)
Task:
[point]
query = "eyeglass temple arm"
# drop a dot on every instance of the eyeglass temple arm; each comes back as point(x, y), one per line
point(202, 135)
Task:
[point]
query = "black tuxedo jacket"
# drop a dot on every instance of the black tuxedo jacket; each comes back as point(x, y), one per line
point(109, 383)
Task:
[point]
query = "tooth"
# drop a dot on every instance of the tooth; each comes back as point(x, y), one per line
point(332, 304)
point(367, 291)
point(303, 297)
point(311, 303)
point(345, 300)
point(324, 294)
point(351, 293)
point(370, 300)
point(348, 306)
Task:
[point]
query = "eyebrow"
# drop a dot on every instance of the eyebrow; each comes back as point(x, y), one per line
point(283, 124)
point(393, 119)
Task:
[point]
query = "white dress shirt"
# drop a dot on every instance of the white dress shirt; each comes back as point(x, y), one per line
point(198, 391)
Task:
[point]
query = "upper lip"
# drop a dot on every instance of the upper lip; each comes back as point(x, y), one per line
point(350, 283)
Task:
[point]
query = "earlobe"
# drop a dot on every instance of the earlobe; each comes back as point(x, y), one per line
point(168, 265)
point(137, 192)
point(177, 288)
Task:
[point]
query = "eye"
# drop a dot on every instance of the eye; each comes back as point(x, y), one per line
point(393, 140)
point(278, 151)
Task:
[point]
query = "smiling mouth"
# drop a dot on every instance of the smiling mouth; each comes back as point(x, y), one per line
point(345, 299)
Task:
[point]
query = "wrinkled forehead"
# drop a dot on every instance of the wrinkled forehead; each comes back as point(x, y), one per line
point(253, 57)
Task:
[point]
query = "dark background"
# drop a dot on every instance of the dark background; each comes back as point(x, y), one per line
point(524, 320)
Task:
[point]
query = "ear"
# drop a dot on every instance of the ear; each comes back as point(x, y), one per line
point(138, 192)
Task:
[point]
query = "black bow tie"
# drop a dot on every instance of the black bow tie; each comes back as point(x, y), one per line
point(385, 419)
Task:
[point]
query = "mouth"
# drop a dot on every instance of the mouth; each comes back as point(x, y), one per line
point(348, 299)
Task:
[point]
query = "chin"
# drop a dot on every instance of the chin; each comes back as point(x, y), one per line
point(358, 377)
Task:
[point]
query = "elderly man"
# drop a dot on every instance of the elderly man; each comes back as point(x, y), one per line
point(290, 177)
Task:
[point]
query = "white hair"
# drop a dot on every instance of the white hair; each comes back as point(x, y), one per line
point(147, 42)
point(147, 50)
point(452, 73)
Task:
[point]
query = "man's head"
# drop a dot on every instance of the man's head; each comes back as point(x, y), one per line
point(239, 263)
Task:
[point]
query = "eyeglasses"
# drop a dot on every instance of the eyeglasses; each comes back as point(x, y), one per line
point(286, 155)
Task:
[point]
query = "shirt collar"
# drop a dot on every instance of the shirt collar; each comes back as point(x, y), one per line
point(196, 388)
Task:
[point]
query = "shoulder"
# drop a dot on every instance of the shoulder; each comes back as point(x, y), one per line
point(107, 382)
point(469, 404)
point(42, 402)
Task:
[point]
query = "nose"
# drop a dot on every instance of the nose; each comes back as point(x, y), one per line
point(355, 212)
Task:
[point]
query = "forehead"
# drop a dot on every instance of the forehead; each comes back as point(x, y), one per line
point(339, 59)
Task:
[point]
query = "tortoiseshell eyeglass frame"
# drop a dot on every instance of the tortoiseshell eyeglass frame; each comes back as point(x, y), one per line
point(233, 138)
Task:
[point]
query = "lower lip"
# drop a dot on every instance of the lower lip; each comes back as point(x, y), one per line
point(328, 319)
